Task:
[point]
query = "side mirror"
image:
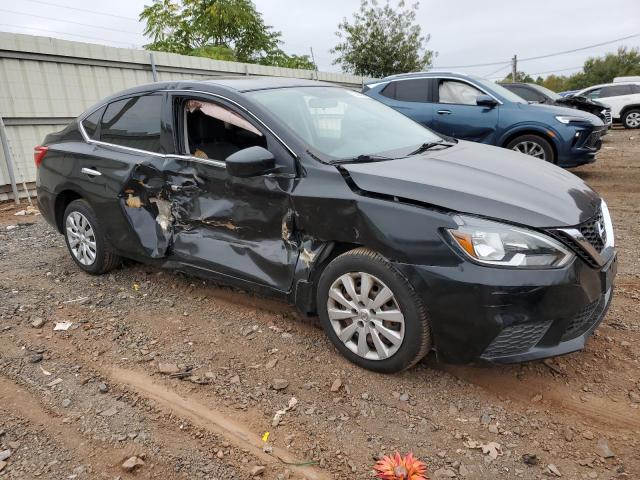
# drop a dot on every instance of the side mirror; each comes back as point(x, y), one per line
point(486, 101)
point(250, 162)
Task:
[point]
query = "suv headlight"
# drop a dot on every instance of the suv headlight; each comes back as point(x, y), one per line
point(571, 119)
point(500, 244)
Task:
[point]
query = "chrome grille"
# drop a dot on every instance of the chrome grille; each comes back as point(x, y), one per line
point(606, 113)
point(594, 232)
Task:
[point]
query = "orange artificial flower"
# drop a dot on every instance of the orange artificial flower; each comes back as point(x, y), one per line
point(396, 467)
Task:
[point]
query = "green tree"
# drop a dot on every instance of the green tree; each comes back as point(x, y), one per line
point(381, 41)
point(521, 77)
point(219, 29)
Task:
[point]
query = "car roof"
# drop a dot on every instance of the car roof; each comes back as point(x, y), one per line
point(430, 73)
point(612, 84)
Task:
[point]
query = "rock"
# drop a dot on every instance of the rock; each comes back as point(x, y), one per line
point(536, 398)
point(404, 397)
point(235, 379)
point(567, 433)
point(551, 468)
point(5, 454)
point(131, 463)
point(335, 386)
point(257, 470)
point(453, 410)
point(444, 473)
point(603, 449)
point(530, 458)
point(485, 419)
point(167, 368)
point(35, 358)
point(37, 322)
point(493, 429)
point(463, 471)
point(66, 403)
point(109, 412)
point(2, 462)
point(634, 397)
point(103, 387)
point(279, 384)
point(220, 454)
point(588, 435)
point(271, 363)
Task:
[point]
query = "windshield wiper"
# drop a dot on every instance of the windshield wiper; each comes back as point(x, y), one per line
point(364, 158)
point(429, 145)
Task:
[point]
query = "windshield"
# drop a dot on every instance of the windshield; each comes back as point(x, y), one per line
point(341, 124)
point(545, 91)
point(499, 90)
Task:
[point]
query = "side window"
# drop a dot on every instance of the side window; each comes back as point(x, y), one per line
point(615, 91)
point(635, 88)
point(390, 90)
point(90, 123)
point(133, 122)
point(412, 90)
point(528, 95)
point(461, 93)
point(595, 93)
point(215, 132)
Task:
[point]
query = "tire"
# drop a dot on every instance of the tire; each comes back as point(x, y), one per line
point(92, 252)
point(631, 118)
point(532, 143)
point(411, 335)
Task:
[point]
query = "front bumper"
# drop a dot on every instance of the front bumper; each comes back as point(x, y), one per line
point(482, 314)
point(583, 146)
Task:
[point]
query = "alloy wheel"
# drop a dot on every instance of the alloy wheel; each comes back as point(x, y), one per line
point(81, 238)
point(530, 148)
point(633, 120)
point(365, 315)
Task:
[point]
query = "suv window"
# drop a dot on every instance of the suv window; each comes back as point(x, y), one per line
point(635, 88)
point(453, 91)
point(615, 91)
point(133, 122)
point(410, 90)
point(527, 93)
point(215, 132)
point(90, 123)
point(592, 94)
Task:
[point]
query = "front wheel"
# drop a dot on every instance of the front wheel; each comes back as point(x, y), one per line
point(371, 312)
point(534, 146)
point(631, 119)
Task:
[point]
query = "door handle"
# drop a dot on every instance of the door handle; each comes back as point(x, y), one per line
point(444, 112)
point(91, 172)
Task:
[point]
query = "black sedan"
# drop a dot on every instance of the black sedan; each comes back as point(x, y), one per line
point(401, 240)
point(535, 93)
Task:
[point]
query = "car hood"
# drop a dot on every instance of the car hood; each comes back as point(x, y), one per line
point(558, 110)
point(580, 102)
point(483, 180)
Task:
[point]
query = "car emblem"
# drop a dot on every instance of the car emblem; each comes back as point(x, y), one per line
point(600, 227)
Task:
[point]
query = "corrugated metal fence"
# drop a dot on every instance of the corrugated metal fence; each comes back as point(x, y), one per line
point(45, 82)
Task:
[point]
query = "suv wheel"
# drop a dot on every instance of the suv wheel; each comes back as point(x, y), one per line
point(371, 312)
point(631, 119)
point(532, 145)
point(86, 241)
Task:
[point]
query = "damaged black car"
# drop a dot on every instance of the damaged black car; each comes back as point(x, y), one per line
point(402, 241)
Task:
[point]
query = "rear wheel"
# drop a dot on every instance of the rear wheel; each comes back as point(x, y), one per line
point(86, 241)
point(631, 119)
point(371, 312)
point(534, 146)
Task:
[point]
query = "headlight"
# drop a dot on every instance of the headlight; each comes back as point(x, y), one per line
point(499, 244)
point(570, 119)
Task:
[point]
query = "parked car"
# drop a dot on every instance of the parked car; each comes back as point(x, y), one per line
point(622, 98)
point(472, 108)
point(534, 93)
point(402, 240)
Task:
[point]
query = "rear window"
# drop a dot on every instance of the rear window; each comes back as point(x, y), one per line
point(133, 122)
point(413, 90)
point(90, 123)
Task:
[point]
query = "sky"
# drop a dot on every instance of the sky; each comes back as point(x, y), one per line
point(463, 32)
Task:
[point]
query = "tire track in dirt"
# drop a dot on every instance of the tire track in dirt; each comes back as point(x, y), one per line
point(210, 419)
point(19, 401)
point(597, 410)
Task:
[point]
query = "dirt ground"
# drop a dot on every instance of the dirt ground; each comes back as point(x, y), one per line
point(77, 403)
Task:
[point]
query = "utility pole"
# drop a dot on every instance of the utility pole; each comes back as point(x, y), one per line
point(313, 59)
point(514, 68)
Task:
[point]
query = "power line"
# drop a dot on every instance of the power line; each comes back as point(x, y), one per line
point(66, 33)
point(86, 10)
point(493, 73)
point(557, 70)
point(490, 64)
point(30, 15)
